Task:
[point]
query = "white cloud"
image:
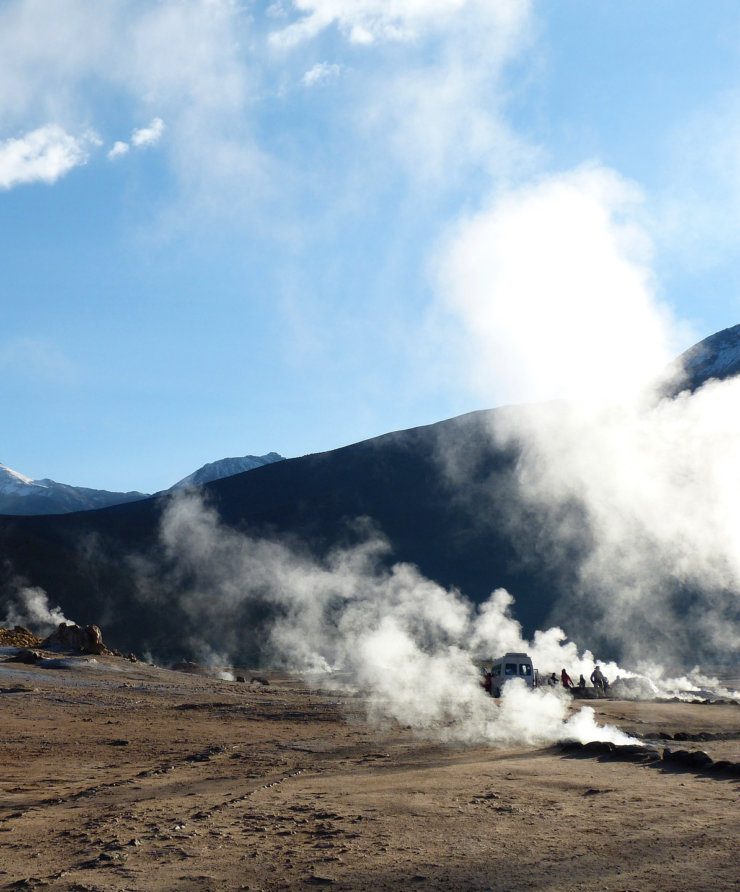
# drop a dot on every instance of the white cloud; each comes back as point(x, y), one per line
point(119, 149)
point(43, 155)
point(141, 138)
point(320, 73)
point(365, 21)
point(437, 104)
point(442, 119)
point(205, 67)
point(553, 290)
point(148, 136)
point(184, 62)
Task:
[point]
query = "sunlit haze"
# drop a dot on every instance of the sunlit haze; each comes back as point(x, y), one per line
point(235, 227)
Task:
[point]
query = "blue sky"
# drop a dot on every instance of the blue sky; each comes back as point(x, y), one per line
point(233, 227)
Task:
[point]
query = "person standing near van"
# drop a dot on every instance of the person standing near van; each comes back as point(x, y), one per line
point(566, 680)
point(597, 678)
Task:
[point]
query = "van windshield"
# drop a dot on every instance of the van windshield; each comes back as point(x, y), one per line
point(510, 669)
point(525, 669)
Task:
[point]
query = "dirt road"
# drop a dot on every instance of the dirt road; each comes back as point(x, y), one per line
point(118, 776)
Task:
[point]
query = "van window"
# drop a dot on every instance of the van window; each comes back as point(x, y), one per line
point(525, 669)
point(510, 669)
point(496, 669)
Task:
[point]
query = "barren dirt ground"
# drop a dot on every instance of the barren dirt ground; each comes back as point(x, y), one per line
point(118, 776)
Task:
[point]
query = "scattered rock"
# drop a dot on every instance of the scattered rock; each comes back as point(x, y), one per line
point(723, 766)
point(693, 760)
point(69, 663)
point(635, 752)
point(686, 736)
point(696, 761)
point(598, 748)
point(206, 755)
point(186, 666)
point(26, 656)
point(259, 679)
point(216, 704)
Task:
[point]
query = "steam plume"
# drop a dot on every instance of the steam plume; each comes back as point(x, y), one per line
point(405, 641)
point(638, 497)
point(29, 606)
point(657, 484)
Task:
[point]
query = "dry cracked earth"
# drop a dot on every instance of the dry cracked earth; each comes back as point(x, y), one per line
point(120, 776)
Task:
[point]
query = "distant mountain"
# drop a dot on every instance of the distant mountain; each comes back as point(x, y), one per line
point(21, 495)
point(226, 467)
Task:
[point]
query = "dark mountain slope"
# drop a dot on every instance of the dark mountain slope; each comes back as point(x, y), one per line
point(90, 562)
point(717, 356)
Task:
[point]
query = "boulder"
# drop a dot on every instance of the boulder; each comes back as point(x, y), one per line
point(69, 636)
point(26, 655)
point(94, 644)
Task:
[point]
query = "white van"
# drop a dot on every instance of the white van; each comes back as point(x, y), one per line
point(510, 666)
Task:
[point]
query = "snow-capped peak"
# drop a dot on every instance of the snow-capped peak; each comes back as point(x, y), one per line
point(225, 467)
point(14, 482)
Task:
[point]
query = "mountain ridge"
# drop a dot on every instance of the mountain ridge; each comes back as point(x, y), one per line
point(21, 495)
point(445, 497)
point(716, 356)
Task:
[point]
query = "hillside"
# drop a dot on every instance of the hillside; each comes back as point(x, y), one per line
point(89, 562)
point(446, 498)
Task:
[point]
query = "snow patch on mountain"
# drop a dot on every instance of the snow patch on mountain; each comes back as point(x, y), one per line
point(14, 482)
point(225, 467)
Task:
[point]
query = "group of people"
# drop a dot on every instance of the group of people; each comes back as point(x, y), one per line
point(565, 680)
point(598, 680)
